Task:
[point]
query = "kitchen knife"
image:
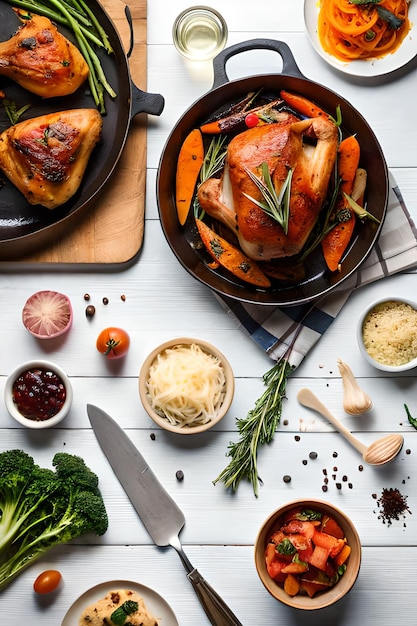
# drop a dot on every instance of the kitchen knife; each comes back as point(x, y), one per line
point(160, 515)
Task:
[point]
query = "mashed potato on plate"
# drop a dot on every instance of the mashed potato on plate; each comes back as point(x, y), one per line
point(123, 601)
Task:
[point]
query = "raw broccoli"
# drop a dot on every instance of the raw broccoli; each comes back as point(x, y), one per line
point(41, 508)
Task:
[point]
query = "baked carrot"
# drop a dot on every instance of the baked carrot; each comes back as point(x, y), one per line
point(211, 128)
point(302, 105)
point(231, 258)
point(190, 160)
point(291, 585)
point(337, 240)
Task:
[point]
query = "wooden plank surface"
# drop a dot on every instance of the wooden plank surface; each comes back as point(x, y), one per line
point(112, 231)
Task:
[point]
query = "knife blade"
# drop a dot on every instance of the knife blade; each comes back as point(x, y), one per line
point(160, 515)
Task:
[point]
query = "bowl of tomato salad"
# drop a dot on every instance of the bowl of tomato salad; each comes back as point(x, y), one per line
point(308, 554)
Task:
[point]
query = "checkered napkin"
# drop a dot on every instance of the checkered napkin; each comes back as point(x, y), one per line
point(299, 327)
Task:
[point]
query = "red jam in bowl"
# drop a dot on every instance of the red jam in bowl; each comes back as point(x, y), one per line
point(39, 394)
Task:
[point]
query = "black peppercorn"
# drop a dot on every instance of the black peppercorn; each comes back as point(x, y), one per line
point(90, 310)
point(179, 475)
point(105, 300)
point(286, 478)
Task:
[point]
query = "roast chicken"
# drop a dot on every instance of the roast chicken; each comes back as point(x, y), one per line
point(41, 59)
point(308, 148)
point(46, 157)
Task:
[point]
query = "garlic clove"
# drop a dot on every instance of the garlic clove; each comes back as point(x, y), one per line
point(355, 400)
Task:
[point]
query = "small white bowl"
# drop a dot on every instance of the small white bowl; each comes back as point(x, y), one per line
point(13, 407)
point(373, 361)
point(162, 421)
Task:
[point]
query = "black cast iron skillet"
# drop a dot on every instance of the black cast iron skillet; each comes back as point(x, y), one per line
point(24, 228)
point(184, 241)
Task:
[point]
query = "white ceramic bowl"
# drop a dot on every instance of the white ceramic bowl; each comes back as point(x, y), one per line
point(13, 406)
point(324, 598)
point(162, 421)
point(374, 362)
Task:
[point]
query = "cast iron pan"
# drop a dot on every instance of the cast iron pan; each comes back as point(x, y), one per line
point(184, 241)
point(24, 228)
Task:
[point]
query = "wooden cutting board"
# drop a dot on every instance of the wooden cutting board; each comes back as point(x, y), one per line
point(112, 231)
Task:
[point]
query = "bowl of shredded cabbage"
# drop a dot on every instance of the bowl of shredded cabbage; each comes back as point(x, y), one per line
point(186, 385)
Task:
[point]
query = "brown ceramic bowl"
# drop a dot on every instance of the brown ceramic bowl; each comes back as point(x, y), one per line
point(157, 416)
point(323, 598)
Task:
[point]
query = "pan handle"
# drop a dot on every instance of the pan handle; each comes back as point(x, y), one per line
point(144, 102)
point(219, 62)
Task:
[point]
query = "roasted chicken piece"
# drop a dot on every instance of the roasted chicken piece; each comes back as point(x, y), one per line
point(40, 59)
point(46, 156)
point(282, 146)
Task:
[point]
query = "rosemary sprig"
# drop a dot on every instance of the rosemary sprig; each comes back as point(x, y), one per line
point(212, 164)
point(13, 113)
point(275, 205)
point(257, 429)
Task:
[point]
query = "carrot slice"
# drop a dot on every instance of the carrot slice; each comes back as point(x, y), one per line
point(302, 105)
point(291, 585)
point(337, 240)
point(231, 258)
point(211, 128)
point(190, 160)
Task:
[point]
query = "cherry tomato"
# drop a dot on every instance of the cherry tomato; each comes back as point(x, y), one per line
point(113, 342)
point(251, 120)
point(47, 581)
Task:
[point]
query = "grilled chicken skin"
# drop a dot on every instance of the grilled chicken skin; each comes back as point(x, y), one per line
point(282, 147)
point(46, 157)
point(42, 60)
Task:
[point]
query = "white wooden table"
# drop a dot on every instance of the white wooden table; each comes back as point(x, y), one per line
point(163, 301)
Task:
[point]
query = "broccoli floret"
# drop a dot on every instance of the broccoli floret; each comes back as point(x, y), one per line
point(41, 508)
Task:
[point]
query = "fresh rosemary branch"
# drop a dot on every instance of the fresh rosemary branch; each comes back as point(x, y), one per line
point(275, 205)
point(257, 429)
point(13, 113)
point(212, 164)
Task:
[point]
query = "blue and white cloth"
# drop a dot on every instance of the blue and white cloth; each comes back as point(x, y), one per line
point(277, 329)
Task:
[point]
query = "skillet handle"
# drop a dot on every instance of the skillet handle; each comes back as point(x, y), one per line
point(289, 66)
point(144, 102)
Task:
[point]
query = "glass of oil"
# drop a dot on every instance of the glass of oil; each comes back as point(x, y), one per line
point(199, 33)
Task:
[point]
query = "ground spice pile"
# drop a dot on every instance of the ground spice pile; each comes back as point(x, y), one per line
point(392, 505)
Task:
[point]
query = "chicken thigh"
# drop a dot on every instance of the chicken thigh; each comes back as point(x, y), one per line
point(40, 59)
point(282, 147)
point(45, 157)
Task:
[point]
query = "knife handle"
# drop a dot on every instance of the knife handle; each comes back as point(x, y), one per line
point(216, 609)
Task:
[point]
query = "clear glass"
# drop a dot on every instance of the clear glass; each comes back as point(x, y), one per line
point(199, 33)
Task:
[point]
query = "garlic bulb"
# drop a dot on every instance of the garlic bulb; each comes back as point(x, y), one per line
point(355, 400)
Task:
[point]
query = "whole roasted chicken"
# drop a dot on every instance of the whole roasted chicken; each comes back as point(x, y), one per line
point(40, 59)
point(46, 157)
point(306, 147)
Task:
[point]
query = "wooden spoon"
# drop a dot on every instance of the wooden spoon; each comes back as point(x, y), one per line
point(379, 452)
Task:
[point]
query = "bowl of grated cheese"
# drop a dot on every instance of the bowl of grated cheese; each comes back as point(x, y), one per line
point(387, 334)
point(186, 385)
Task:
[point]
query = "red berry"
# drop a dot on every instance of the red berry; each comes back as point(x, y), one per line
point(251, 120)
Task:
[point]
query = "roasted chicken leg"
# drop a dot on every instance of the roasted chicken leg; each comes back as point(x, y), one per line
point(282, 147)
point(45, 157)
point(40, 59)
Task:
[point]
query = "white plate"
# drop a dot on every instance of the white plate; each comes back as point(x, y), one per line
point(153, 601)
point(372, 67)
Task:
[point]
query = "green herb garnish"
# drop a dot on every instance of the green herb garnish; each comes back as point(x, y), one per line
point(285, 547)
point(257, 429)
point(359, 210)
point(12, 112)
point(120, 615)
point(275, 205)
point(411, 419)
